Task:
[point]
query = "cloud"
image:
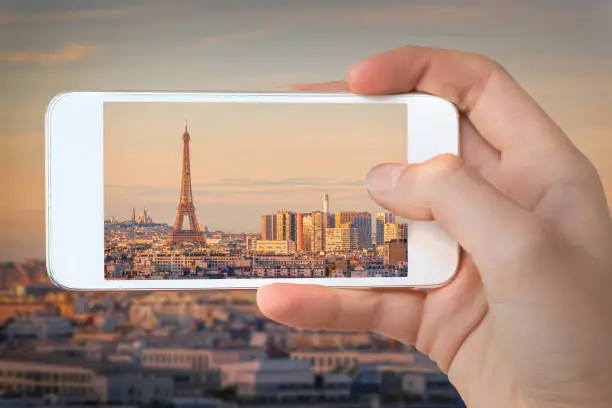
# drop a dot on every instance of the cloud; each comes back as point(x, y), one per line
point(286, 182)
point(404, 14)
point(9, 18)
point(362, 14)
point(236, 189)
point(77, 12)
point(71, 52)
point(216, 41)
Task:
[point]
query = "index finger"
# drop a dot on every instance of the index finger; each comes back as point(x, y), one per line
point(501, 111)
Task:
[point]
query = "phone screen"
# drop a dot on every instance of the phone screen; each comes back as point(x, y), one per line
point(250, 190)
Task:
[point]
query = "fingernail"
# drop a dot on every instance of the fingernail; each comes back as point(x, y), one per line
point(383, 178)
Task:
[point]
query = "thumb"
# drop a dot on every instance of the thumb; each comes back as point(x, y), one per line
point(487, 224)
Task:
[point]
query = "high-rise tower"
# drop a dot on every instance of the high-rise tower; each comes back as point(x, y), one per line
point(300, 232)
point(325, 203)
point(186, 207)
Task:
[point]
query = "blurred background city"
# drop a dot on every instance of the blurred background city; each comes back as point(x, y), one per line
point(210, 349)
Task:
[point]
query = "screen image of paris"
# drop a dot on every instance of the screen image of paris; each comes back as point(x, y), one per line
point(250, 190)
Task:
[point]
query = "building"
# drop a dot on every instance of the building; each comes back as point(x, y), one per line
point(395, 252)
point(284, 380)
point(193, 370)
point(144, 218)
point(198, 402)
point(326, 361)
point(394, 232)
point(382, 219)
point(11, 307)
point(36, 290)
point(300, 232)
point(40, 328)
point(426, 386)
point(325, 203)
point(276, 247)
point(267, 227)
point(251, 243)
point(80, 380)
point(307, 227)
point(176, 359)
point(312, 339)
point(362, 221)
point(343, 239)
point(318, 232)
point(286, 226)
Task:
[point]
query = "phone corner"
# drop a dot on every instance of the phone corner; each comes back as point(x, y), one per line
point(54, 101)
point(53, 276)
point(455, 271)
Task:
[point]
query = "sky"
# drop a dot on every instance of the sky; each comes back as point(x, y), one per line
point(559, 50)
point(247, 159)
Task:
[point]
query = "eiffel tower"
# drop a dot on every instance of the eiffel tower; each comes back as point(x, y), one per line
point(185, 207)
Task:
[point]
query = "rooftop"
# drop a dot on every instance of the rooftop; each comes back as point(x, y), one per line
point(65, 360)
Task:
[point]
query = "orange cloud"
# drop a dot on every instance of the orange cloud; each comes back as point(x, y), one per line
point(70, 53)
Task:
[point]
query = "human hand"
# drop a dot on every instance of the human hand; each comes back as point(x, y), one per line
point(527, 320)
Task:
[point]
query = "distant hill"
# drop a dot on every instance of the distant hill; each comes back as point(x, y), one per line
point(24, 273)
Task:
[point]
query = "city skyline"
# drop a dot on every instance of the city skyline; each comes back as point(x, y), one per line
point(557, 50)
point(305, 143)
point(276, 157)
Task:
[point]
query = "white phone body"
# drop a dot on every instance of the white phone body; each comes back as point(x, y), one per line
point(75, 190)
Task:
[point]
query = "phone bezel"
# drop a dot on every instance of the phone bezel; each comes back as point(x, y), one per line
point(75, 189)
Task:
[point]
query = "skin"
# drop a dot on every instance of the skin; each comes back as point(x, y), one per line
point(526, 321)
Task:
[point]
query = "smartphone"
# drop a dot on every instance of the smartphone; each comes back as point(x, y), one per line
point(194, 191)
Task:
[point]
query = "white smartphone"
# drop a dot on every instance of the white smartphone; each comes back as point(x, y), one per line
point(194, 191)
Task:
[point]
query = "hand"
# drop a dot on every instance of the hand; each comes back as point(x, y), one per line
point(527, 322)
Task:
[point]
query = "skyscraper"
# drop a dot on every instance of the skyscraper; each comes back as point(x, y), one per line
point(308, 232)
point(325, 203)
point(300, 232)
point(341, 239)
point(382, 219)
point(362, 221)
point(267, 227)
point(395, 232)
point(318, 231)
point(286, 226)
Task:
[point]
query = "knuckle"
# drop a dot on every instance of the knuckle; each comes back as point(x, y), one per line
point(441, 173)
point(444, 167)
point(486, 63)
point(583, 170)
point(573, 169)
point(484, 68)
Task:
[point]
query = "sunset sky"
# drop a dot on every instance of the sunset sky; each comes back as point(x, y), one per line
point(247, 159)
point(559, 50)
